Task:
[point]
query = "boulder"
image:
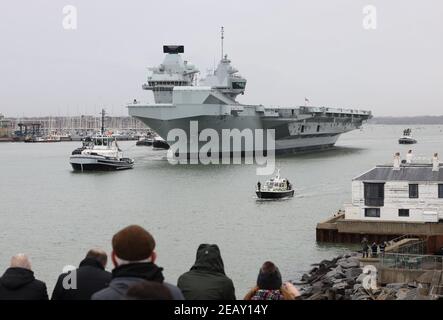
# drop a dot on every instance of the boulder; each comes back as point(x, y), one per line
point(349, 264)
point(306, 277)
point(353, 272)
point(340, 286)
point(402, 293)
point(396, 286)
point(335, 273)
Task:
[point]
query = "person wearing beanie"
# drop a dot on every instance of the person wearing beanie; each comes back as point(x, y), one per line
point(133, 255)
point(207, 279)
point(270, 286)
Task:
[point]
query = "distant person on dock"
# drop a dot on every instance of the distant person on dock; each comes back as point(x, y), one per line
point(374, 249)
point(90, 277)
point(270, 286)
point(18, 282)
point(133, 255)
point(207, 279)
point(258, 186)
point(382, 246)
point(365, 247)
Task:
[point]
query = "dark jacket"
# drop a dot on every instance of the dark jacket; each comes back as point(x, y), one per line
point(20, 284)
point(207, 280)
point(125, 276)
point(90, 276)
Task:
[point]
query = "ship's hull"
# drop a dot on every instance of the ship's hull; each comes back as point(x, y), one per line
point(99, 163)
point(243, 128)
point(274, 194)
point(285, 142)
point(407, 141)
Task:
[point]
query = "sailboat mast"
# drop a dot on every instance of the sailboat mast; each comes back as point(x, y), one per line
point(103, 121)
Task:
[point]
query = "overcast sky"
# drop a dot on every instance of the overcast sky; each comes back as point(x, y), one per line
point(287, 50)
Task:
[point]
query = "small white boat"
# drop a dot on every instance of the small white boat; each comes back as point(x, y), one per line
point(275, 188)
point(407, 138)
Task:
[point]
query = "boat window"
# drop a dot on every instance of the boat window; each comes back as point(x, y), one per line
point(440, 191)
point(302, 129)
point(238, 85)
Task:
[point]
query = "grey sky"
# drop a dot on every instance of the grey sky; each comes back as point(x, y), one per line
point(287, 50)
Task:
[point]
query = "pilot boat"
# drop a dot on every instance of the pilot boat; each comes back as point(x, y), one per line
point(100, 152)
point(407, 138)
point(275, 188)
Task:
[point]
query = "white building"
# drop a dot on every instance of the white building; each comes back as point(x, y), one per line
point(406, 191)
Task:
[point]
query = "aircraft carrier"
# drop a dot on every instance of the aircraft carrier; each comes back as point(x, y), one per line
point(180, 100)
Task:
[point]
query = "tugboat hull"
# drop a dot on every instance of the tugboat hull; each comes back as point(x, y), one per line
point(160, 144)
point(97, 163)
point(274, 194)
point(406, 141)
point(144, 142)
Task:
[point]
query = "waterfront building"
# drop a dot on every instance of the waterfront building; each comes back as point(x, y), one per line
point(409, 191)
point(402, 200)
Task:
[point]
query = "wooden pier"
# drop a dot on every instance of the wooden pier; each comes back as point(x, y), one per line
point(337, 229)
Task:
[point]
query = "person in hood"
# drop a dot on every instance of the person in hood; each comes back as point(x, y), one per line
point(133, 255)
point(270, 286)
point(82, 283)
point(207, 279)
point(18, 282)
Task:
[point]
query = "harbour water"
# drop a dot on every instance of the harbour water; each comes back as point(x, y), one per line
point(55, 215)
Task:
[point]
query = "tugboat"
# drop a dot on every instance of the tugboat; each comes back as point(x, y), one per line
point(100, 153)
point(406, 138)
point(275, 188)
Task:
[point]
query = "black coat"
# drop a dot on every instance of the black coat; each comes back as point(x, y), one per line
point(20, 284)
point(207, 280)
point(91, 277)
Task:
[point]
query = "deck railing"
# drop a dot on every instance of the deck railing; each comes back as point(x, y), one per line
point(411, 261)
